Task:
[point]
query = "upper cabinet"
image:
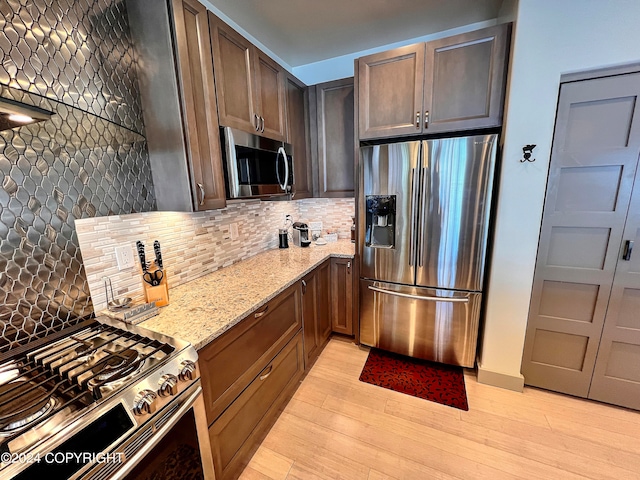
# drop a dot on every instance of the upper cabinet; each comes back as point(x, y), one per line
point(297, 136)
point(250, 87)
point(335, 150)
point(452, 84)
point(179, 103)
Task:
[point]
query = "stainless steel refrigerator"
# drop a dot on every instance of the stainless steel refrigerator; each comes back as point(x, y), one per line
point(424, 216)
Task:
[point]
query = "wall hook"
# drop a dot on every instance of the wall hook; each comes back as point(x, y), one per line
point(527, 150)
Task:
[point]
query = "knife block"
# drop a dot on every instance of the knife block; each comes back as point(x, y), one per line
point(159, 293)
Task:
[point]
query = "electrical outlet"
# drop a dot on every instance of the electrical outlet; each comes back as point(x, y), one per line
point(125, 257)
point(233, 231)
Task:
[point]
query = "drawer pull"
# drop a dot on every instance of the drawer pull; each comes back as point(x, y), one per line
point(263, 377)
point(259, 314)
point(304, 287)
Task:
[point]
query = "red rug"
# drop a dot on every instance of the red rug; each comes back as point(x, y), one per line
point(432, 381)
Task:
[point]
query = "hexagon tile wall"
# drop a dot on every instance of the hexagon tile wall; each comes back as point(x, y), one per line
point(74, 58)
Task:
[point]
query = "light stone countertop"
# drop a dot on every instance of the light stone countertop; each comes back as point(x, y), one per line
point(205, 308)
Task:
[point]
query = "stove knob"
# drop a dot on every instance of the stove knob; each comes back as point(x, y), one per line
point(187, 370)
point(168, 385)
point(145, 402)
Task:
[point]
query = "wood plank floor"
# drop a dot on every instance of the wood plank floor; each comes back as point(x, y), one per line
point(336, 427)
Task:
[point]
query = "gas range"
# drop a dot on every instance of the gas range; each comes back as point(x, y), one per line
point(101, 387)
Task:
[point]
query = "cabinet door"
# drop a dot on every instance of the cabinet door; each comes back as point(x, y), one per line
point(390, 87)
point(342, 295)
point(235, 89)
point(465, 80)
point(334, 102)
point(309, 317)
point(297, 126)
point(270, 107)
point(195, 71)
point(323, 273)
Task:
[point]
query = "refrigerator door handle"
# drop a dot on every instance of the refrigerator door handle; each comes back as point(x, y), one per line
point(415, 179)
point(419, 297)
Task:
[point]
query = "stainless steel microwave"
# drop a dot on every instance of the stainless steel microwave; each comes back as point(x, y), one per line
point(256, 167)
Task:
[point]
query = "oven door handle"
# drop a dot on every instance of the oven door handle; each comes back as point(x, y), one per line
point(159, 434)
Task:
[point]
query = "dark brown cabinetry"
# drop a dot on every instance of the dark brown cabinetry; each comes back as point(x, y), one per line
point(179, 103)
point(334, 124)
point(297, 136)
point(250, 86)
point(316, 314)
point(343, 309)
point(451, 84)
point(247, 373)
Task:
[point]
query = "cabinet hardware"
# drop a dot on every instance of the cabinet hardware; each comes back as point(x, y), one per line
point(628, 248)
point(261, 124)
point(259, 314)
point(256, 122)
point(349, 268)
point(418, 120)
point(262, 377)
point(304, 287)
point(426, 119)
point(201, 187)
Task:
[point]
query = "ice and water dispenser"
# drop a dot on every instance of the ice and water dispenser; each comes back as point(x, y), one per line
point(381, 221)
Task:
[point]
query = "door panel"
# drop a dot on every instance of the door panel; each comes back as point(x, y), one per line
point(436, 325)
point(616, 377)
point(457, 181)
point(270, 84)
point(464, 80)
point(390, 89)
point(593, 165)
point(389, 170)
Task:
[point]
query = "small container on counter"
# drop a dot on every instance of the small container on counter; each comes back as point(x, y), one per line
point(283, 238)
point(353, 230)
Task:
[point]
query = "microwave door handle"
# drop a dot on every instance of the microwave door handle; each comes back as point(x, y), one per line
point(232, 164)
point(286, 169)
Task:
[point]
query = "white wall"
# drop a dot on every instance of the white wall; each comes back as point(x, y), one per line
point(342, 67)
point(551, 37)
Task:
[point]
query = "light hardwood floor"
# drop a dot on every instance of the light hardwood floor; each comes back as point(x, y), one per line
point(336, 427)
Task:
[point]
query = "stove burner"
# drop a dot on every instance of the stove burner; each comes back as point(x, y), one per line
point(116, 366)
point(20, 406)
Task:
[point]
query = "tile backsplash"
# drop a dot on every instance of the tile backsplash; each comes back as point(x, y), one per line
point(194, 244)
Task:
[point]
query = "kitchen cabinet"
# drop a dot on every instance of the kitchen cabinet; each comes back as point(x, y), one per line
point(179, 103)
point(232, 435)
point(446, 85)
point(297, 135)
point(250, 86)
point(343, 312)
point(334, 126)
point(233, 360)
point(316, 314)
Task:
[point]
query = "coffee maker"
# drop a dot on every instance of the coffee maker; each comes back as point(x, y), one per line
point(301, 234)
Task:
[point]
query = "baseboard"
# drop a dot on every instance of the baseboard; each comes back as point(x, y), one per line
point(499, 379)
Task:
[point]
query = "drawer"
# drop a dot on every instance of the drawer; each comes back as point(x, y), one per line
point(232, 433)
point(232, 361)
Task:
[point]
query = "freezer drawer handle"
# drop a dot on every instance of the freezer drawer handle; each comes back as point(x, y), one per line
point(418, 297)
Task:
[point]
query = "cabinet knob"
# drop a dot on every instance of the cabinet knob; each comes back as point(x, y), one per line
point(418, 120)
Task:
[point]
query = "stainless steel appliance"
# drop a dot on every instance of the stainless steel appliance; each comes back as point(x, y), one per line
point(301, 235)
point(96, 401)
point(423, 236)
point(256, 167)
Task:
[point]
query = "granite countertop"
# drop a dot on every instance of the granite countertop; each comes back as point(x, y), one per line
point(205, 308)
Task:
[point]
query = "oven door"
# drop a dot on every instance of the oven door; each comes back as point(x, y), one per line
point(256, 167)
point(178, 449)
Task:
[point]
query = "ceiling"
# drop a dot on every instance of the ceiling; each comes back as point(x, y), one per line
point(305, 31)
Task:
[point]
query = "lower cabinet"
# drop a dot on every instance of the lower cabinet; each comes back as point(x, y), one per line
point(316, 315)
point(343, 308)
point(232, 432)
